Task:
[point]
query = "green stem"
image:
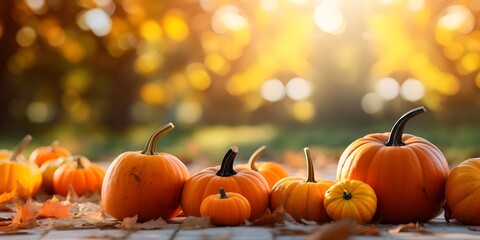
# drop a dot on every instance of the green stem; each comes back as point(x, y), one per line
point(395, 138)
point(223, 195)
point(150, 147)
point(347, 195)
point(310, 169)
point(226, 169)
point(255, 156)
point(21, 146)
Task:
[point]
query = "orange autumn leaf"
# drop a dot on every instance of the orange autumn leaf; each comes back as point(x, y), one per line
point(27, 214)
point(7, 197)
point(131, 224)
point(53, 208)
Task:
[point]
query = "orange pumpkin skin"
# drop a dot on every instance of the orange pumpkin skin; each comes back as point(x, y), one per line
point(226, 209)
point(48, 169)
point(45, 153)
point(244, 181)
point(22, 177)
point(351, 199)
point(271, 171)
point(462, 192)
point(302, 198)
point(147, 184)
point(407, 173)
point(84, 176)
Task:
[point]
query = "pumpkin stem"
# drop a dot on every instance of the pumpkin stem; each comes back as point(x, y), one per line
point(54, 145)
point(223, 195)
point(226, 169)
point(21, 146)
point(151, 145)
point(347, 195)
point(255, 156)
point(79, 162)
point(310, 169)
point(395, 138)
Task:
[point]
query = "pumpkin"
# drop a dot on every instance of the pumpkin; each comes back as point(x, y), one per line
point(350, 199)
point(147, 184)
point(244, 181)
point(462, 192)
point(45, 153)
point(226, 209)
point(84, 176)
point(271, 171)
point(302, 198)
point(48, 169)
point(407, 173)
point(21, 177)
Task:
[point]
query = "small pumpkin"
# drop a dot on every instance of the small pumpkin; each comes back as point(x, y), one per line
point(462, 192)
point(147, 184)
point(351, 199)
point(244, 181)
point(302, 198)
point(22, 177)
point(45, 153)
point(407, 173)
point(271, 171)
point(226, 209)
point(84, 176)
point(48, 169)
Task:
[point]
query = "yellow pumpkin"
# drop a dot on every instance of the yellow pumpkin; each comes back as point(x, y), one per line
point(48, 169)
point(22, 178)
point(350, 199)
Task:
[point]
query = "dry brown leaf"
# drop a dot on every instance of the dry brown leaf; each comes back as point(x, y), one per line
point(341, 230)
point(53, 208)
point(195, 223)
point(367, 230)
point(7, 197)
point(277, 218)
point(410, 227)
point(27, 214)
point(131, 224)
point(474, 228)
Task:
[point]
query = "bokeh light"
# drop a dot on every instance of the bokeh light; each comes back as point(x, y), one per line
point(412, 90)
point(273, 90)
point(372, 103)
point(388, 88)
point(298, 88)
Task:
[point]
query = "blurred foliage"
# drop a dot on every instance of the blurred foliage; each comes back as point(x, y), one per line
point(106, 73)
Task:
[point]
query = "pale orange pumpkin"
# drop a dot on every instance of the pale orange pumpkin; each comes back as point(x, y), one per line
point(45, 153)
point(302, 198)
point(271, 171)
point(84, 176)
point(48, 169)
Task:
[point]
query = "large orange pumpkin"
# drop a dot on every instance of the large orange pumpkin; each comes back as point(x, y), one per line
point(462, 192)
point(84, 176)
point(302, 198)
point(244, 181)
point(45, 153)
point(147, 184)
point(271, 171)
point(407, 173)
point(21, 177)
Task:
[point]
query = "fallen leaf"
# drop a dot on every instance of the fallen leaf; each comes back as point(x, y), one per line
point(195, 223)
point(474, 228)
point(55, 209)
point(72, 196)
point(7, 197)
point(410, 227)
point(27, 214)
point(131, 224)
point(340, 230)
point(277, 218)
point(367, 230)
